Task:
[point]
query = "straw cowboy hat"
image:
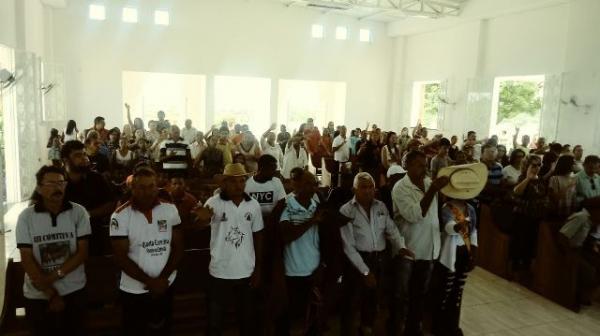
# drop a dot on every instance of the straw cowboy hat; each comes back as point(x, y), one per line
point(231, 170)
point(466, 181)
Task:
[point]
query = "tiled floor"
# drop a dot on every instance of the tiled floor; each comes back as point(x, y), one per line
point(492, 305)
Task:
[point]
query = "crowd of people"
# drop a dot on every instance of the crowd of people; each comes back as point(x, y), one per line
point(287, 252)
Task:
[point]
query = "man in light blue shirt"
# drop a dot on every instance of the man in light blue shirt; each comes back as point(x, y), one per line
point(300, 235)
point(588, 180)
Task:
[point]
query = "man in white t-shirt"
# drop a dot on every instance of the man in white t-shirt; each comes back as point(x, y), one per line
point(236, 226)
point(341, 154)
point(268, 146)
point(264, 186)
point(52, 236)
point(188, 133)
point(148, 246)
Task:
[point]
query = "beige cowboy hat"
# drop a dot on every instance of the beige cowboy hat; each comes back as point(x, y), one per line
point(466, 181)
point(231, 170)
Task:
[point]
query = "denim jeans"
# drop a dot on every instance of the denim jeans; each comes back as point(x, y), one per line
point(412, 285)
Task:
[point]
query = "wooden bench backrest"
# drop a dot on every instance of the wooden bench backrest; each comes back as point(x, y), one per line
point(493, 244)
point(555, 269)
point(13, 295)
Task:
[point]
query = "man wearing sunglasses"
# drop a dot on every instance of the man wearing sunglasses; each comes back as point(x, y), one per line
point(588, 180)
point(52, 237)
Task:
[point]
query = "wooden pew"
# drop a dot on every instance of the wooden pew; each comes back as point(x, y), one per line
point(104, 311)
point(555, 269)
point(493, 244)
point(10, 323)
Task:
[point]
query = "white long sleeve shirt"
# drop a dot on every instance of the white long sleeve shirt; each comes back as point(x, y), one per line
point(367, 232)
point(421, 233)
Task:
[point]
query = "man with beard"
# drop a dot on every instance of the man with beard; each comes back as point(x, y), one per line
point(148, 245)
point(89, 189)
point(52, 237)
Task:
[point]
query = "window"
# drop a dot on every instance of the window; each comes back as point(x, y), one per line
point(318, 31)
point(426, 104)
point(517, 102)
point(161, 17)
point(243, 100)
point(97, 12)
point(130, 15)
point(300, 100)
point(179, 96)
point(365, 35)
point(341, 33)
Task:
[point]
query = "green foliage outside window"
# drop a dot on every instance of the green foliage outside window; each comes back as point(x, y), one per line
point(518, 97)
point(431, 103)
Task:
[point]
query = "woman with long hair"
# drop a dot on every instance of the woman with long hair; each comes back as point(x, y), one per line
point(561, 187)
point(70, 133)
point(531, 203)
point(512, 172)
point(390, 153)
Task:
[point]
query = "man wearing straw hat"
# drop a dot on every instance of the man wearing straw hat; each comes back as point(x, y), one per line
point(416, 214)
point(236, 225)
point(459, 243)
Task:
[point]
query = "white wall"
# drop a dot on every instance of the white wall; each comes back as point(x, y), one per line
point(225, 37)
point(559, 40)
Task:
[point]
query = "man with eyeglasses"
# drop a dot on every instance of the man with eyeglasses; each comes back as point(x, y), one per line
point(52, 237)
point(89, 189)
point(588, 180)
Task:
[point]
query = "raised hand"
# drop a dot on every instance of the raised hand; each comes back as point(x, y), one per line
point(440, 183)
point(203, 213)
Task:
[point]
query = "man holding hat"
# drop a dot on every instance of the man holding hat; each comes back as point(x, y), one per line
point(236, 223)
point(459, 242)
point(416, 214)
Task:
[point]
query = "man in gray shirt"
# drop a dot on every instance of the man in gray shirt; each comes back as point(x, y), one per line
point(52, 237)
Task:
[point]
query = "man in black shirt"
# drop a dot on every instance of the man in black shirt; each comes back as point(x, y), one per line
point(89, 189)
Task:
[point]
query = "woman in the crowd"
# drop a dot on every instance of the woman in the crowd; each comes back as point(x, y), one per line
point(548, 165)
point(531, 204)
point(127, 131)
point(122, 161)
point(325, 144)
point(354, 137)
point(390, 153)
point(250, 149)
point(54, 148)
point(114, 136)
point(71, 132)
point(403, 139)
point(512, 172)
point(561, 187)
point(502, 157)
point(198, 146)
point(152, 134)
point(369, 155)
point(142, 151)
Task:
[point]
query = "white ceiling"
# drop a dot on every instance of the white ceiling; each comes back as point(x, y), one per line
point(384, 10)
point(475, 10)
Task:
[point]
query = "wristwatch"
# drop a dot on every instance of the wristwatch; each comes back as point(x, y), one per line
point(60, 273)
